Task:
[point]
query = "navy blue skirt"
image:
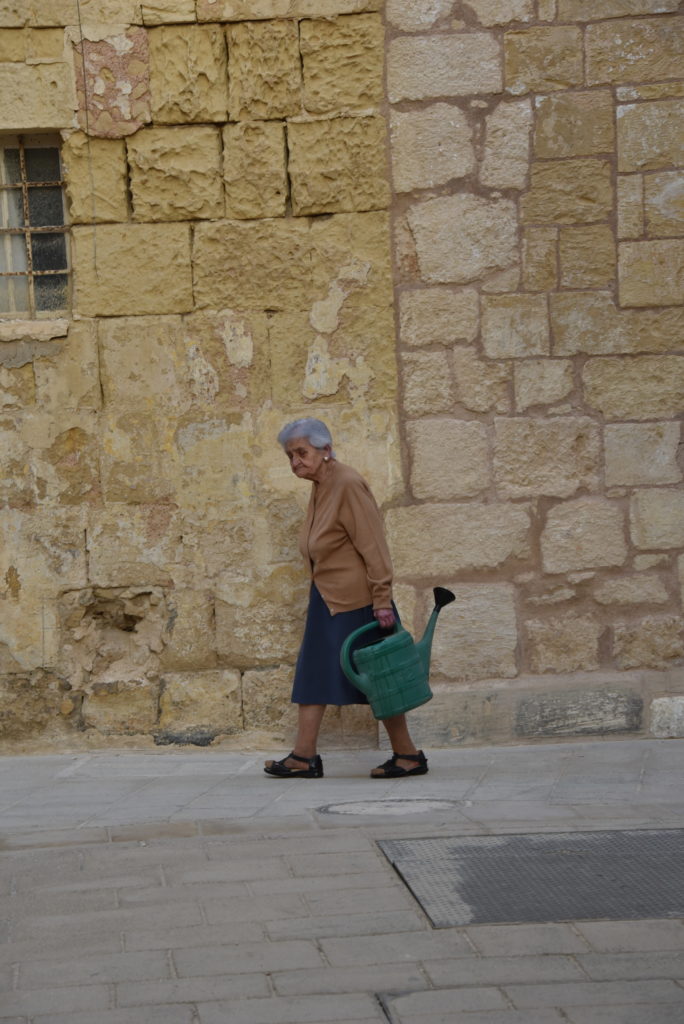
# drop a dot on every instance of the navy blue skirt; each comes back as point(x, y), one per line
point(319, 678)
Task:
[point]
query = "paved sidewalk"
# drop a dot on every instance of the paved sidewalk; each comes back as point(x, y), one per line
point(185, 887)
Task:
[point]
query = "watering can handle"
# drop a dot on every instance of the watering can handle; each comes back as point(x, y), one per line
point(345, 653)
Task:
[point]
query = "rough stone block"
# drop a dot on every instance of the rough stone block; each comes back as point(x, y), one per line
point(139, 266)
point(642, 388)
point(657, 518)
point(646, 588)
point(36, 96)
point(258, 634)
point(651, 273)
point(480, 385)
point(463, 238)
point(31, 45)
point(338, 165)
point(69, 379)
point(411, 17)
point(583, 534)
point(122, 708)
point(112, 81)
point(196, 707)
point(540, 258)
point(96, 179)
point(430, 67)
point(588, 256)
point(133, 547)
point(430, 146)
point(255, 171)
point(649, 135)
point(639, 454)
point(437, 539)
point(188, 77)
point(249, 10)
point(664, 203)
point(477, 638)
point(427, 383)
point(543, 59)
point(142, 363)
point(588, 10)
point(554, 457)
point(579, 713)
point(167, 12)
point(501, 12)
point(265, 78)
point(438, 316)
point(33, 704)
point(667, 717)
point(266, 700)
point(643, 50)
point(630, 205)
point(541, 382)
point(507, 145)
point(138, 461)
point(514, 326)
point(449, 458)
point(591, 322)
point(568, 192)
point(342, 63)
point(176, 173)
point(567, 643)
point(654, 642)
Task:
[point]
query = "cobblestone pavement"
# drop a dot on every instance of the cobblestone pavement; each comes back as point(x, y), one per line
point(185, 887)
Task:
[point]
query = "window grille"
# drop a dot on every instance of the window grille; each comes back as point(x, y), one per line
point(34, 256)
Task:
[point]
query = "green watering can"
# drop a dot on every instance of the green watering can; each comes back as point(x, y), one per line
point(393, 672)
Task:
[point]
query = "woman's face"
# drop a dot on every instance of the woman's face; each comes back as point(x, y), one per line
point(306, 462)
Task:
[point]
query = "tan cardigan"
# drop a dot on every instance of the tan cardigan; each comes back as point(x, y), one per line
point(343, 543)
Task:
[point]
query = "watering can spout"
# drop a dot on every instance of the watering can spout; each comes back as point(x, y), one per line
point(443, 597)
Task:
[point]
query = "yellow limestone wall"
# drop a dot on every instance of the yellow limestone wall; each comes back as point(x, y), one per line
point(453, 231)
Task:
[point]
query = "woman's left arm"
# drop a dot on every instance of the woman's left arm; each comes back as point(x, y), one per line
point(361, 518)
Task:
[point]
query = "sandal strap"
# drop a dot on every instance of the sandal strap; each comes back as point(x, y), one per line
point(296, 757)
point(418, 758)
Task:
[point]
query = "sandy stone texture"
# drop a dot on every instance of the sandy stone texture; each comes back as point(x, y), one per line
point(254, 169)
point(36, 96)
point(501, 12)
point(250, 10)
point(430, 67)
point(507, 146)
point(630, 205)
point(515, 326)
point(574, 123)
point(430, 147)
point(655, 642)
point(540, 258)
point(568, 191)
point(411, 17)
point(342, 62)
point(639, 454)
point(449, 458)
point(591, 322)
point(567, 643)
point(427, 383)
point(657, 518)
point(643, 388)
point(175, 173)
point(643, 50)
point(649, 135)
point(588, 10)
point(583, 534)
point(541, 382)
point(264, 70)
point(113, 83)
point(188, 74)
point(651, 273)
point(163, 12)
point(96, 177)
point(555, 457)
point(587, 256)
point(664, 203)
point(438, 316)
point(481, 385)
point(479, 638)
point(543, 59)
point(200, 704)
point(646, 588)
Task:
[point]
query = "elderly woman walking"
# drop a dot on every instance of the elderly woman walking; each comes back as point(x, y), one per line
point(343, 543)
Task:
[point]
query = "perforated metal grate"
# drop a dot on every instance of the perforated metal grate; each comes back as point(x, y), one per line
point(576, 876)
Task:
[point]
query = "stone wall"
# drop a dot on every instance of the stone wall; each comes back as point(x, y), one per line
point(452, 230)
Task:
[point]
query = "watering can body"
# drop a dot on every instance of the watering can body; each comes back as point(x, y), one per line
point(393, 672)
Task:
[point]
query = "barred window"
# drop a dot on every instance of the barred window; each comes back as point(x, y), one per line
point(34, 253)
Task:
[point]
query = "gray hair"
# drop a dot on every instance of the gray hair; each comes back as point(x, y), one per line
point(312, 430)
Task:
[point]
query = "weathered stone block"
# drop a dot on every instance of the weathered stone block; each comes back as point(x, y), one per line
point(249, 10)
point(69, 379)
point(196, 707)
point(667, 717)
point(657, 518)
point(430, 146)
point(338, 165)
point(649, 135)
point(543, 59)
point(541, 382)
point(36, 96)
point(477, 638)
point(555, 457)
point(138, 459)
point(630, 205)
point(507, 145)
point(664, 203)
point(142, 363)
point(568, 191)
point(258, 634)
point(427, 383)
point(583, 534)
point(96, 179)
point(32, 704)
point(176, 173)
point(579, 713)
point(501, 12)
point(438, 316)
point(651, 273)
point(643, 50)
point(139, 266)
point(266, 700)
point(122, 708)
point(642, 388)
point(112, 81)
point(540, 258)
point(411, 17)
point(588, 10)
point(641, 453)
point(651, 643)
point(591, 322)
point(134, 547)
point(167, 12)
point(265, 78)
point(31, 45)
point(255, 171)
point(646, 588)
point(188, 77)
point(430, 67)
point(435, 540)
point(514, 326)
point(342, 63)
point(588, 256)
point(480, 384)
point(567, 643)
point(449, 458)
point(463, 238)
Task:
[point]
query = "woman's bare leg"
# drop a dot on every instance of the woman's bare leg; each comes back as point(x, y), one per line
point(400, 738)
point(309, 721)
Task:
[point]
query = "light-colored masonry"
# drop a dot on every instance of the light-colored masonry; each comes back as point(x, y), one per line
point(455, 231)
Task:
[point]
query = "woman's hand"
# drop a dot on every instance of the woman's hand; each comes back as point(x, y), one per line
point(385, 617)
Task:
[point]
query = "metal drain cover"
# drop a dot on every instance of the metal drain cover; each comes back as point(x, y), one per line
point(398, 808)
point(568, 876)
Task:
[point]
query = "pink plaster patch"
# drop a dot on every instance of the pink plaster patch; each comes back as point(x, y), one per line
point(113, 84)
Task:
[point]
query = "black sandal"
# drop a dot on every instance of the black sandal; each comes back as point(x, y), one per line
point(391, 770)
point(281, 770)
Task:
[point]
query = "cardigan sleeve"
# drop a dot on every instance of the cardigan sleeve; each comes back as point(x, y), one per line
point(361, 519)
